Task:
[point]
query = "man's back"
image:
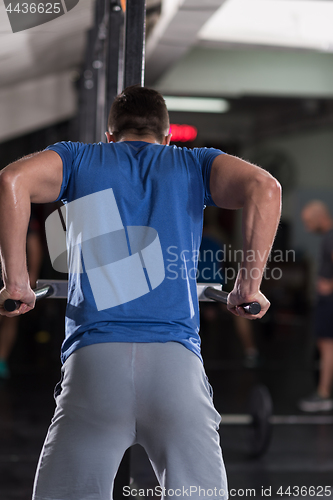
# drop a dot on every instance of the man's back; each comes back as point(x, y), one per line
point(135, 210)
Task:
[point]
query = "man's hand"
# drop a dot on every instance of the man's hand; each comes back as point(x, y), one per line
point(26, 296)
point(235, 300)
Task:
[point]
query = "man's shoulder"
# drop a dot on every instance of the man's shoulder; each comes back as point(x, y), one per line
point(66, 146)
point(197, 153)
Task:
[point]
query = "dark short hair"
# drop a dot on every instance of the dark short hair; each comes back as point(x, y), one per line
point(141, 111)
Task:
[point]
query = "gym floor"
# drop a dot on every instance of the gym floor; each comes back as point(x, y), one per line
point(299, 455)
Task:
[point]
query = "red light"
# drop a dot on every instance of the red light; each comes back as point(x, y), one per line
point(183, 133)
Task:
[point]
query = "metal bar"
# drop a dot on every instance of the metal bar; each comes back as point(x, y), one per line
point(202, 287)
point(245, 419)
point(301, 419)
point(46, 291)
point(93, 88)
point(212, 293)
point(99, 64)
point(218, 295)
point(233, 419)
point(134, 42)
point(61, 286)
point(88, 93)
point(115, 49)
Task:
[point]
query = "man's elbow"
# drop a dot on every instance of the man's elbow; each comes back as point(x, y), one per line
point(273, 189)
point(267, 188)
point(7, 178)
point(11, 180)
point(264, 191)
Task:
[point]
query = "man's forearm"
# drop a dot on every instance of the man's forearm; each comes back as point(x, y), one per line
point(15, 210)
point(261, 215)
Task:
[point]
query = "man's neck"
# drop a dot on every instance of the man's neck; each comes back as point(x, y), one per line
point(148, 138)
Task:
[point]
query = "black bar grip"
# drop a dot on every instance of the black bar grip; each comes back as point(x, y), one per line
point(220, 296)
point(11, 305)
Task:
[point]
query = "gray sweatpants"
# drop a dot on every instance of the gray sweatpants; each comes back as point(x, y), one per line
point(117, 394)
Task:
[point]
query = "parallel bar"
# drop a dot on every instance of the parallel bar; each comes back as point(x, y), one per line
point(220, 296)
point(202, 287)
point(62, 285)
point(134, 42)
point(212, 293)
point(57, 289)
point(46, 291)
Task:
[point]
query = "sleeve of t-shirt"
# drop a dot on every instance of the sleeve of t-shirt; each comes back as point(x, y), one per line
point(205, 157)
point(67, 152)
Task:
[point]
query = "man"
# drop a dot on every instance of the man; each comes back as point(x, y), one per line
point(132, 368)
point(317, 219)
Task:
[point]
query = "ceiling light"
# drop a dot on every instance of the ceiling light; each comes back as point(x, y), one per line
point(196, 104)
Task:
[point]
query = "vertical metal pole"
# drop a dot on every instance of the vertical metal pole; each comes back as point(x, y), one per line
point(115, 48)
point(99, 65)
point(93, 95)
point(134, 56)
point(87, 96)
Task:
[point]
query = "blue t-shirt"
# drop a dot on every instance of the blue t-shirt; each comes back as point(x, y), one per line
point(134, 226)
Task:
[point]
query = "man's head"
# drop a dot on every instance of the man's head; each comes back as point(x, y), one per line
point(141, 112)
point(316, 217)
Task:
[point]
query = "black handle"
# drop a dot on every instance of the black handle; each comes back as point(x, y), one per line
point(11, 305)
point(220, 296)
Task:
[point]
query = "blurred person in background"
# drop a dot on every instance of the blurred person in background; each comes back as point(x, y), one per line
point(9, 326)
point(244, 330)
point(317, 219)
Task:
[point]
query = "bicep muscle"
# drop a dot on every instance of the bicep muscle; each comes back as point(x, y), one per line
point(230, 179)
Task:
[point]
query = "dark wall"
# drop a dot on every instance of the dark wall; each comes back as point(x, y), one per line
point(16, 148)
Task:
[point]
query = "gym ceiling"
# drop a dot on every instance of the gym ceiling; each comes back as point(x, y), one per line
point(271, 59)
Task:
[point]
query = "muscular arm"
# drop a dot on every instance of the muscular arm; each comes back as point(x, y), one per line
point(236, 184)
point(33, 179)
